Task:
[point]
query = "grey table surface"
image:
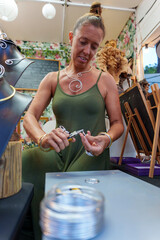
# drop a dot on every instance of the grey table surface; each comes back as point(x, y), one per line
point(132, 206)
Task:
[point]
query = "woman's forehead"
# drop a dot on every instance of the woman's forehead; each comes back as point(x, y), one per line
point(89, 30)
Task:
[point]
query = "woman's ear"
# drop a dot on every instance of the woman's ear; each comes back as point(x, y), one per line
point(70, 37)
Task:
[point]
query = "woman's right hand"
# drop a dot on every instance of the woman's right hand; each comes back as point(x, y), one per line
point(57, 139)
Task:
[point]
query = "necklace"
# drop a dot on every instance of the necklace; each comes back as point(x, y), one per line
point(9, 97)
point(76, 85)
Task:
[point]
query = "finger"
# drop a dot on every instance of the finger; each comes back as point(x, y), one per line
point(83, 139)
point(62, 136)
point(58, 131)
point(89, 133)
point(91, 139)
point(91, 146)
point(54, 146)
point(72, 139)
point(85, 142)
point(48, 142)
point(57, 140)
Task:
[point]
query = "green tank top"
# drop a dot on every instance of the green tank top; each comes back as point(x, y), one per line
point(82, 111)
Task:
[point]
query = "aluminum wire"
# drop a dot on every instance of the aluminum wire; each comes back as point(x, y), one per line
point(72, 212)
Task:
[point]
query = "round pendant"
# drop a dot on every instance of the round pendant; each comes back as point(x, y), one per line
point(75, 85)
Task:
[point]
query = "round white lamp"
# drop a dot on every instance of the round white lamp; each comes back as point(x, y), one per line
point(8, 10)
point(48, 11)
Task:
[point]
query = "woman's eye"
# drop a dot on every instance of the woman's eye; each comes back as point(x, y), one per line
point(83, 43)
point(94, 47)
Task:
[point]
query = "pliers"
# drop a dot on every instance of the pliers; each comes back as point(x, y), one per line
point(74, 133)
point(71, 135)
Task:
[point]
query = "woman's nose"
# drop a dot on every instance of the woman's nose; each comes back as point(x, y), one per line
point(87, 49)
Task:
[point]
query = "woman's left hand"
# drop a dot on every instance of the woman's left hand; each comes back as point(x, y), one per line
point(94, 144)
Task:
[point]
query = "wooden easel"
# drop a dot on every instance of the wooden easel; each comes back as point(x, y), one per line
point(156, 125)
point(138, 130)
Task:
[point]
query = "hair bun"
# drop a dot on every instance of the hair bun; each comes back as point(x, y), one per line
point(96, 8)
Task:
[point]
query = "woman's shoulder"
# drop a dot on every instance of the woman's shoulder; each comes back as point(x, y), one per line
point(107, 78)
point(107, 83)
point(49, 82)
point(50, 78)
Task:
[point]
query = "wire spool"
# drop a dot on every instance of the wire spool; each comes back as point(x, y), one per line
point(71, 211)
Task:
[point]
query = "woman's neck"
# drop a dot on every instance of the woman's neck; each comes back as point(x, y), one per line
point(75, 70)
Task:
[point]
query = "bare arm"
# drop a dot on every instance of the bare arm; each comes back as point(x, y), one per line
point(56, 139)
point(113, 110)
point(38, 105)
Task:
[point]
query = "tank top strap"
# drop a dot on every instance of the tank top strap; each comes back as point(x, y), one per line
point(58, 76)
point(99, 76)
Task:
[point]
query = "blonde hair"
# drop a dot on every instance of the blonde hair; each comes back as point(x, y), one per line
point(93, 17)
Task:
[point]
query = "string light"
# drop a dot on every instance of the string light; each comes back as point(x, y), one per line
point(48, 11)
point(8, 10)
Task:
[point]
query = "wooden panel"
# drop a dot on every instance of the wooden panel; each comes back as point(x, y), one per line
point(11, 169)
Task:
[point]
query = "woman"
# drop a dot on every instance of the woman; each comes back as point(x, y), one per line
point(75, 108)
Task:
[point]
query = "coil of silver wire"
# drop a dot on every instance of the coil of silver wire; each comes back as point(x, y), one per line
point(71, 211)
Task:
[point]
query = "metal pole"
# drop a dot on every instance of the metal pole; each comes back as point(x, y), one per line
point(79, 4)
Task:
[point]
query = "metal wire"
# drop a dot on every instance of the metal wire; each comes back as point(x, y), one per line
point(72, 211)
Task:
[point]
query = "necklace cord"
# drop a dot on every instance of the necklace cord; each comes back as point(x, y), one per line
point(9, 97)
point(79, 84)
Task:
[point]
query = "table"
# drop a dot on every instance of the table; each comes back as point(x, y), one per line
point(132, 206)
point(13, 210)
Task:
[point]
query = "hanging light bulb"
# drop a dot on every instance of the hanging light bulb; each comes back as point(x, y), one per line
point(48, 11)
point(8, 10)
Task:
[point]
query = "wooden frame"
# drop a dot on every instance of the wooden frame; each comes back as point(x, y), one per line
point(143, 125)
point(26, 89)
point(19, 125)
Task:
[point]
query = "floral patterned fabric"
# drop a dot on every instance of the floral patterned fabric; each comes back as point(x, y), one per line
point(46, 50)
point(125, 39)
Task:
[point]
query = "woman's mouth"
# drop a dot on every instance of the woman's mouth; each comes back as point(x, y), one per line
point(83, 59)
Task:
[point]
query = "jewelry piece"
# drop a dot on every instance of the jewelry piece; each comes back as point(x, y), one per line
point(40, 144)
point(64, 129)
point(3, 41)
point(110, 139)
point(89, 154)
point(3, 45)
point(78, 82)
point(2, 70)
point(11, 61)
point(9, 97)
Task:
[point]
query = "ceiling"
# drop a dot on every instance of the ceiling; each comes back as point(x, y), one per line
point(30, 25)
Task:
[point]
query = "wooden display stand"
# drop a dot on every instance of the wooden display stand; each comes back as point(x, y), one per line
point(11, 169)
point(143, 124)
point(156, 125)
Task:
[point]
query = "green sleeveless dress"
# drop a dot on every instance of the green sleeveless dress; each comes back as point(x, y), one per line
point(83, 111)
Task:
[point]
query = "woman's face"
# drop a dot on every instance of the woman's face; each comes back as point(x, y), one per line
point(85, 44)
